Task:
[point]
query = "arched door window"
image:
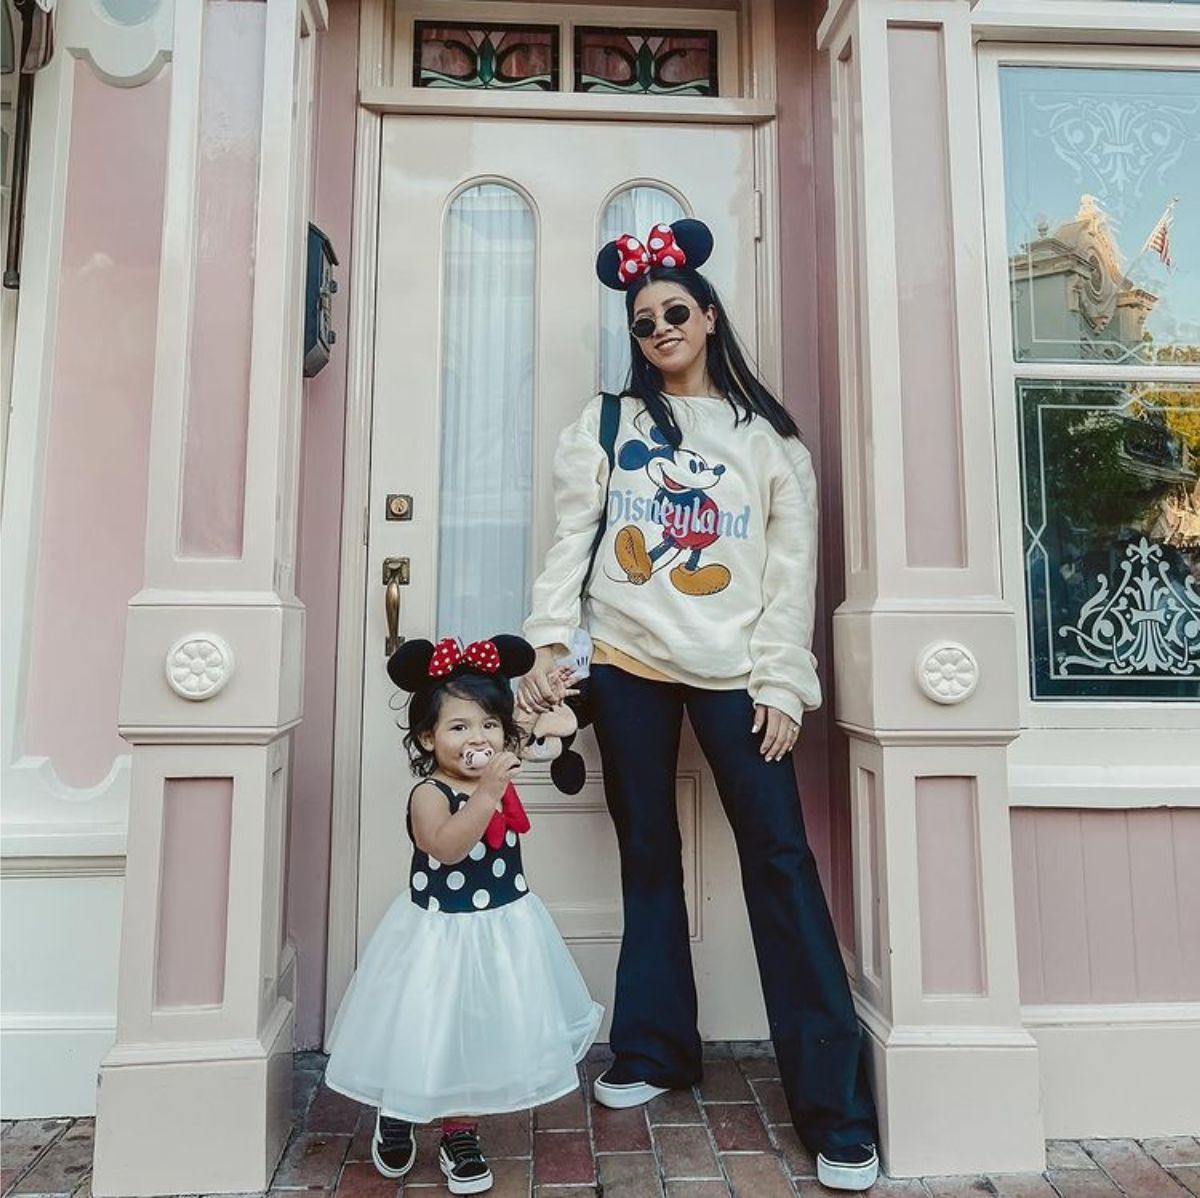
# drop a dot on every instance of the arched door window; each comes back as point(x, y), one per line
point(632, 211)
point(487, 389)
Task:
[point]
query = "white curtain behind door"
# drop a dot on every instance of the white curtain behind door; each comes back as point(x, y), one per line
point(632, 212)
point(487, 378)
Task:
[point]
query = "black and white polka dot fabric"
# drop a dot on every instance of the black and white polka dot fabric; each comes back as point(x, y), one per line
point(483, 879)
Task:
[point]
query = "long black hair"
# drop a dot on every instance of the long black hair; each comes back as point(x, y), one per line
point(726, 361)
point(490, 691)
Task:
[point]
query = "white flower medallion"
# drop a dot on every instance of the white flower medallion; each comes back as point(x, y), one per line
point(947, 672)
point(198, 665)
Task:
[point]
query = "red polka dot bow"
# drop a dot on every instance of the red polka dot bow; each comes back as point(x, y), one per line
point(480, 655)
point(659, 249)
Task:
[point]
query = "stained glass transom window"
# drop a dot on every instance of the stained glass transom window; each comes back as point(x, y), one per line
point(494, 56)
point(668, 62)
point(1110, 483)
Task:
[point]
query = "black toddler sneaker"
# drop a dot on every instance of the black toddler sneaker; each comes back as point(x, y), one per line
point(852, 1168)
point(463, 1163)
point(393, 1146)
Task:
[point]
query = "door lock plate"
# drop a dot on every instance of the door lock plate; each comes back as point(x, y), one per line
point(399, 507)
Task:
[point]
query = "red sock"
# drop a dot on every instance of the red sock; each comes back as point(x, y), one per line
point(450, 1126)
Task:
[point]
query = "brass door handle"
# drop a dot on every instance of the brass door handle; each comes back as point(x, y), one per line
point(395, 576)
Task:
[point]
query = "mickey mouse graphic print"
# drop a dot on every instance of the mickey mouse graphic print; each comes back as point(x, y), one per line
point(683, 508)
point(705, 569)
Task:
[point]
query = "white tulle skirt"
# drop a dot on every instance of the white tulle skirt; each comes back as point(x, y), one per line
point(462, 1014)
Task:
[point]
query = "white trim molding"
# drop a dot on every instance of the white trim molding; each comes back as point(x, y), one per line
point(1114, 22)
point(1111, 787)
point(567, 106)
point(342, 951)
point(1118, 1070)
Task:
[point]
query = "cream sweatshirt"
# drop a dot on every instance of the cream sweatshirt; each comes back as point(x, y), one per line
point(708, 565)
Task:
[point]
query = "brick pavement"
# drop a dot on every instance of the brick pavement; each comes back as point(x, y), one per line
point(729, 1136)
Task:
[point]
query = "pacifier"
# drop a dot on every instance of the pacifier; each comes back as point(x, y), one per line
point(476, 758)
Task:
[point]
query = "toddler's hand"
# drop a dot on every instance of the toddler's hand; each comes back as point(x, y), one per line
point(499, 771)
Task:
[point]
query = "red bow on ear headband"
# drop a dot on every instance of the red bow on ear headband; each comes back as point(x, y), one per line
point(480, 655)
point(659, 249)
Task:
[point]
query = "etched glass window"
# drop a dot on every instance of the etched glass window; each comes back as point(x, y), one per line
point(487, 384)
point(1102, 207)
point(469, 55)
point(1110, 483)
point(633, 211)
point(665, 62)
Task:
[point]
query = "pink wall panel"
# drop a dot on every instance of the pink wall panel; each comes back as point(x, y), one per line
point(193, 905)
point(1108, 904)
point(1185, 833)
point(810, 391)
point(861, 553)
point(93, 528)
point(933, 492)
point(1110, 922)
point(870, 796)
point(218, 385)
point(320, 537)
point(948, 886)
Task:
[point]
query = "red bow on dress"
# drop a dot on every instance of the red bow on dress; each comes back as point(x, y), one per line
point(511, 815)
point(481, 655)
point(659, 249)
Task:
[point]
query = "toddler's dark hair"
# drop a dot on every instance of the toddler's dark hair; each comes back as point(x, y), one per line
point(491, 691)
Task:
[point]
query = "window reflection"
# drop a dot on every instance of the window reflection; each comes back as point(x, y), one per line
point(1102, 197)
point(1110, 480)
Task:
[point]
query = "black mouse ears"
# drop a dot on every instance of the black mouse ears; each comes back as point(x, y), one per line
point(686, 242)
point(418, 663)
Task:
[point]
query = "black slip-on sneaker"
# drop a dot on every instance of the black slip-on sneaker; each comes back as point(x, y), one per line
point(616, 1089)
point(853, 1168)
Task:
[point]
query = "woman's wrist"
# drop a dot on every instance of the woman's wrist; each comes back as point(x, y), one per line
point(548, 655)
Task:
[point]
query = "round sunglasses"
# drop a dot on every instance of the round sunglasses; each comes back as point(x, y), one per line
point(676, 315)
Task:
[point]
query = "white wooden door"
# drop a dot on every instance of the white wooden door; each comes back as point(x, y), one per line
point(556, 180)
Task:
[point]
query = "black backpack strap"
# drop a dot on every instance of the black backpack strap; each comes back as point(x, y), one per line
point(610, 419)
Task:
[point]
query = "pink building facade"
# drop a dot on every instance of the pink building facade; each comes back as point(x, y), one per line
point(961, 241)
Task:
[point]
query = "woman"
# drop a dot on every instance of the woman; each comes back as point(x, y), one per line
point(700, 598)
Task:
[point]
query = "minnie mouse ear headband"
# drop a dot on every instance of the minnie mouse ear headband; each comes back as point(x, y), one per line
point(685, 243)
point(418, 663)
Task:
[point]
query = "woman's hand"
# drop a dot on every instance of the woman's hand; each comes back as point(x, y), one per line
point(545, 685)
point(781, 733)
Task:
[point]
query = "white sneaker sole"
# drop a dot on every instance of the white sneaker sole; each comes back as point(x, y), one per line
point(847, 1177)
point(620, 1098)
point(476, 1185)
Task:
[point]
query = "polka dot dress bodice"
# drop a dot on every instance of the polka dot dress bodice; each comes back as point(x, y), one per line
point(484, 878)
